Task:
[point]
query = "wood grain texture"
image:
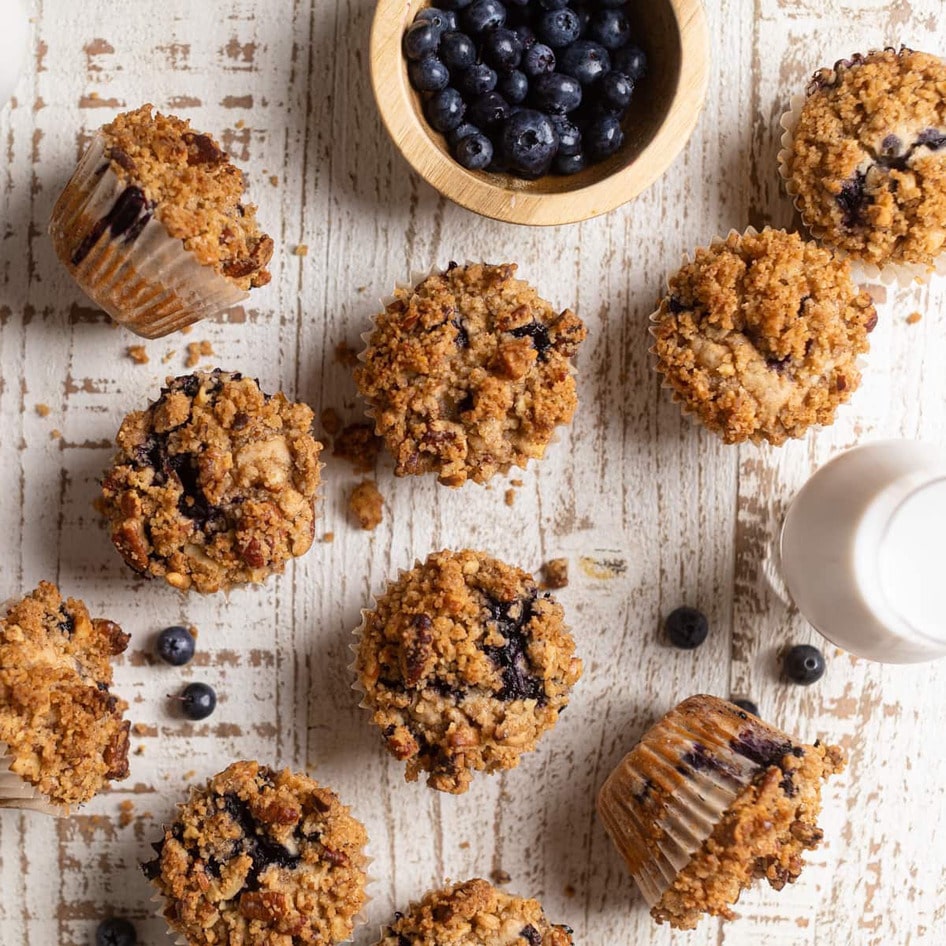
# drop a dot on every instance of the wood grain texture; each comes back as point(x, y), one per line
point(650, 511)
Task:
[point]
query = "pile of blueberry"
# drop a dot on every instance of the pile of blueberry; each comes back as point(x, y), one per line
point(525, 86)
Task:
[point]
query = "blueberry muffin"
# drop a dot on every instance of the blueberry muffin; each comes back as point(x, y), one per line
point(866, 159)
point(261, 857)
point(474, 913)
point(710, 800)
point(469, 373)
point(214, 484)
point(464, 664)
point(62, 728)
point(759, 336)
point(153, 225)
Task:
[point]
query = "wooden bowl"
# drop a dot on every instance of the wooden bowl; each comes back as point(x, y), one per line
point(664, 110)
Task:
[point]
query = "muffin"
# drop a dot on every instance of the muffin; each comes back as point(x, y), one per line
point(710, 800)
point(865, 158)
point(62, 735)
point(464, 664)
point(469, 373)
point(474, 913)
point(214, 484)
point(153, 227)
point(759, 336)
point(262, 857)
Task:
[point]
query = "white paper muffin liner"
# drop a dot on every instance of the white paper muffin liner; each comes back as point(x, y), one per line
point(669, 765)
point(904, 275)
point(415, 277)
point(16, 792)
point(152, 284)
point(691, 414)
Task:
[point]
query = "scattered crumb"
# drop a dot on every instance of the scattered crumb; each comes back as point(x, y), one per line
point(140, 750)
point(570, 890)
point(189, 774)
point(367, 504)
point(510, 496)
point(274, 180)
point(169, 355)
point(516, 483)
point(196, 351)
point(499, 876)
point(240, 124)
point(186, 330)
point(94, 95)
point(464, 845)
point(346, 355)
point(301, 250)
point(43, 410)
point(54, 434)
point(137, 354)
point(914, 317)
point(358, 444)
point(192, 631)
point(555, 573)
point(331, 422)
point(140, 729)
point(126, 813)
point(328, 537)
point(362, 289)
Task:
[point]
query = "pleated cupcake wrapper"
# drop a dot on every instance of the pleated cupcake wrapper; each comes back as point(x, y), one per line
point(151, 284)
point(690, 413)
point(16, 792)
point(697, 795)
point(904, 275)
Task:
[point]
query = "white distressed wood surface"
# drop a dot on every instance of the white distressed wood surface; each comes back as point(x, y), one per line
point(682, 518)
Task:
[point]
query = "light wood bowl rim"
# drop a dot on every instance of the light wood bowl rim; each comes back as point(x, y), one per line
point(484, 196)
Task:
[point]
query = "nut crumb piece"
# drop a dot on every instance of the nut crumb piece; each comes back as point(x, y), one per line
point(500, 876)
point(555, 573)
point(358, 444)
point(140, 750)
point(43, 410)
point(137, 354)
point(914, 317)
point(510, 496)
point(301, 250)
point(55, 434)
point(367, 504)
point(170, 354)
point(126, 813)
point(196, 351)
point(516, 483)
point(328, 537)
point(331, 422)
point(140, 729)
point(346, 355)
point(240, 124)
point(464, 845)
point(274, 180)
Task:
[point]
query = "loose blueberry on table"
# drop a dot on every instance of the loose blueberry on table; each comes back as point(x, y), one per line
point(115, 931)
point(176, 645)
point(803, 664)
point(686, 627)
point(525, 86)
point(198, 701)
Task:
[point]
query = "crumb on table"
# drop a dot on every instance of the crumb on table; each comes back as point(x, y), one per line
point(137, 354)
point(301, 250)
point(346, 355)
point(328, 537)
point(126, 813)
point(914, 317)
point(196, 351)
point(358, 444)
point(499, 876)
point(555, 573)
point(367, 504)
point(516, 483)
point(274, 180)
point(510, 496)
point(43, 410)
point(55, 434)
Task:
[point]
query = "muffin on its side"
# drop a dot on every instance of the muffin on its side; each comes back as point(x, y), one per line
point(469, 373)
point(214, 484)
point(760, 334)
point(153, 227)
point(865, 158)
point(61, 727)
point(710, 800)
point(474, 913)
point(464, 664)
point(262, 857)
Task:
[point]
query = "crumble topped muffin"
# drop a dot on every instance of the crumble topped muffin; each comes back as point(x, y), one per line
point(62, 727)
point(469, 373)
point(262, 857)
point(464, 664)
point(760, 334)
point(152, 225)
point(474, 913)
point(710, 800)
point(866, 162)
point(214, 484)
